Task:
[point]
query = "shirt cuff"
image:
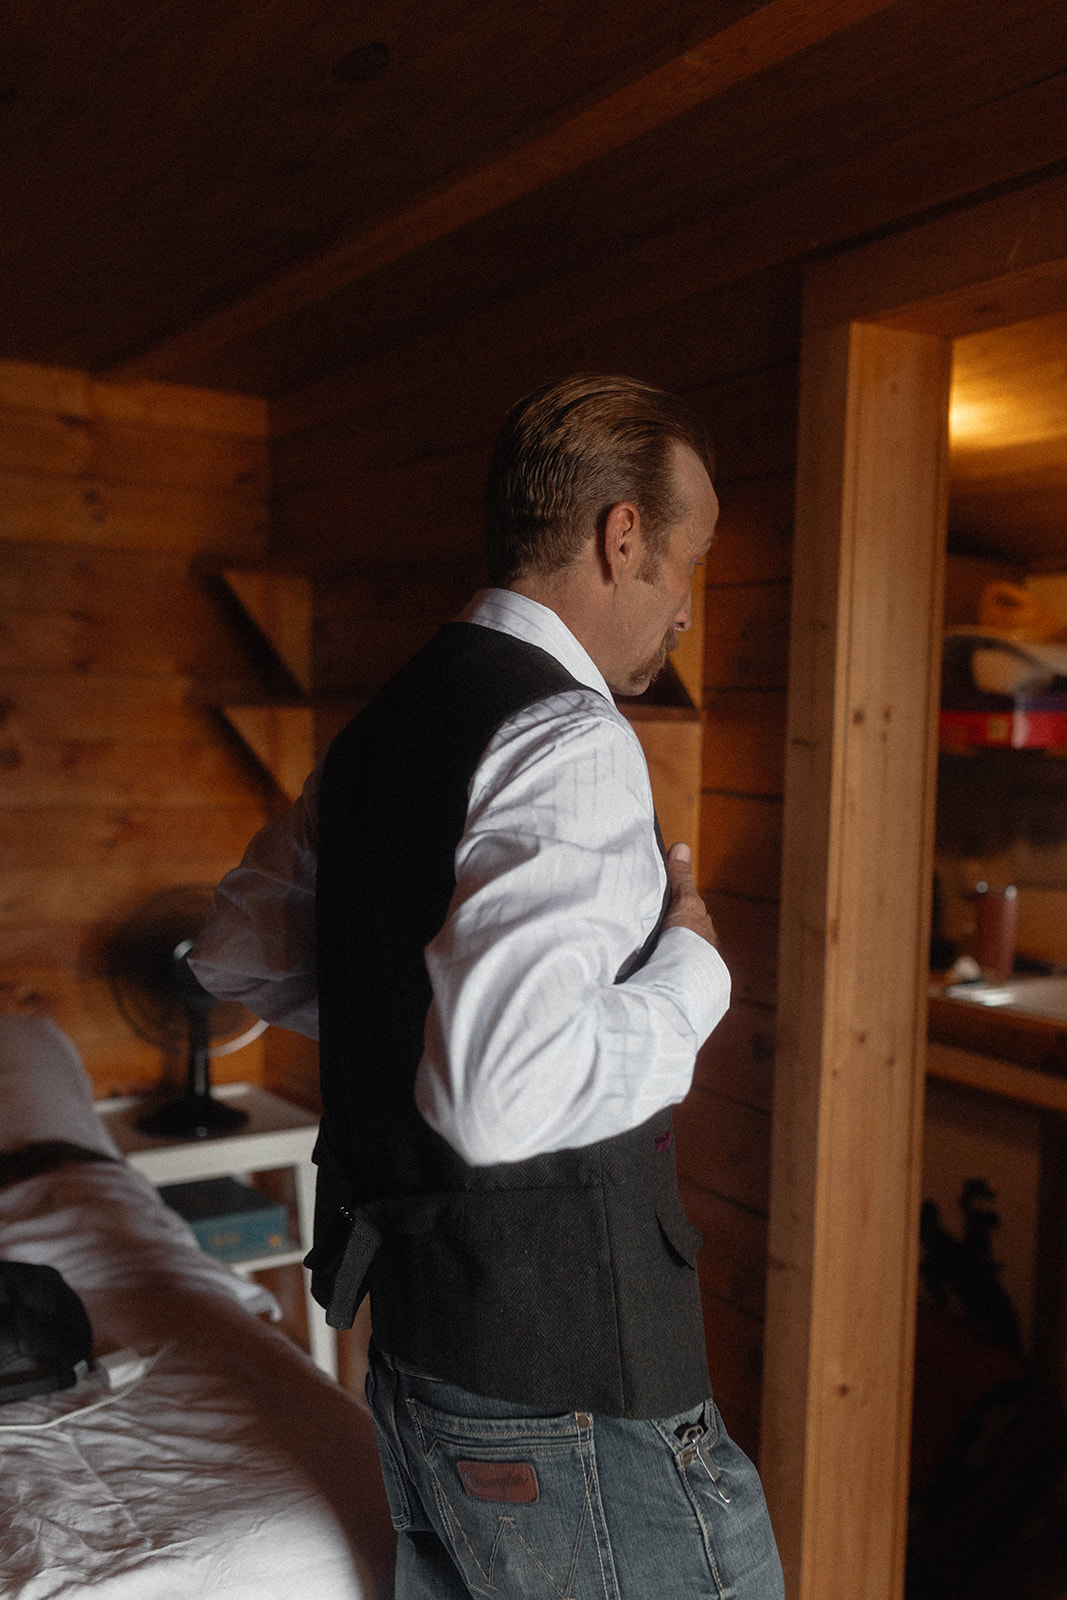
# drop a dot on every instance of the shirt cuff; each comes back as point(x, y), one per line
point(699, 970)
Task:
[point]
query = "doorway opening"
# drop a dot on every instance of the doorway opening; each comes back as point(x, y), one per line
point(991, 1359)
point(864, 681)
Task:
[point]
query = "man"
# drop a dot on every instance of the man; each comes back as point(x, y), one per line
point(512, 985)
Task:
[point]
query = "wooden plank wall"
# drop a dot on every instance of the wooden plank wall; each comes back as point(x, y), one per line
point(116, 778)
point(377, 484)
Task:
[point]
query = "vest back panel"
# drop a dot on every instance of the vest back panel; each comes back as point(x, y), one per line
point(566, 1281)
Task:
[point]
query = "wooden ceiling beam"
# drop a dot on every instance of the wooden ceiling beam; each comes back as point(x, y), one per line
point(769, 35)
point(982, 148)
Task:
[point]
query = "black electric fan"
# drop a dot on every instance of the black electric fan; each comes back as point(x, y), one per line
point(165, 1004)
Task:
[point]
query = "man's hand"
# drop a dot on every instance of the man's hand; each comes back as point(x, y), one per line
point(687, 909)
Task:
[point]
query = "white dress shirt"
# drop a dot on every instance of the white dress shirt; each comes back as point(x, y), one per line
point(530, 1044)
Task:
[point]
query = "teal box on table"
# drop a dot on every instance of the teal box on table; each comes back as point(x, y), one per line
point(231, 1220)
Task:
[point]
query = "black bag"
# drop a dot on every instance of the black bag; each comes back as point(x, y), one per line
point(46, 1339)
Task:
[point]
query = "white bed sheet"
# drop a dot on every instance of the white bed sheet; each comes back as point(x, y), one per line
point(235, 1470)
point(175, 1489)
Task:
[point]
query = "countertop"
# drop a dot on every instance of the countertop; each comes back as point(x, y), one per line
point(1029, 1041)
point(998, 1051)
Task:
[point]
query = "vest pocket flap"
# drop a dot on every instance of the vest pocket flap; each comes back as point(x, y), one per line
point(679, 1232)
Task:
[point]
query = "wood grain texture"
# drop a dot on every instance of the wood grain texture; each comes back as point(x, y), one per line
point(83, 839)
point(58, 971)
point(733, 1258)
point(30, 892)
point(282, 739)
point(744, 741)
point(845, 195)
point(291, 1068)
point(673, 752)
point(89, 611)
point(369, 621)
point(747, 639)
point(955, 277)
point(735, 1359)
point(155, 772)
point(1005, 1079)
point(769, 34)
point(848, 1099)
point(382, 409)
point(997, 262)
point(1028, 1041)
point(754, 536)
point(116, 779)
point(344, 504)
point(738, 1060)
point(431, 509)
point(89, 463)
point(748, 939)
point(34, 507)
point(728, 1144)
point(280, 606)
point(741, 844)
point(914, 109)
point(95, 447)
point(71, 394)
point(63, 706)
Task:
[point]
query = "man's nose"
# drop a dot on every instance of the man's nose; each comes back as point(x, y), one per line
point(683, 620)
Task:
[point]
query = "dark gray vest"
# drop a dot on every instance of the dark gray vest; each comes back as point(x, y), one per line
point(565, 1282)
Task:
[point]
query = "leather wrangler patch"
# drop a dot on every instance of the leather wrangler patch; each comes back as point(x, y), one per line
point(514, 1482)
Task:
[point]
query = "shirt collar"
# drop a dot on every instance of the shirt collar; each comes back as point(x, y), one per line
point(529, 620)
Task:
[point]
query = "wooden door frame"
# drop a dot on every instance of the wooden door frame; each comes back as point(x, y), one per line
point(859, 802)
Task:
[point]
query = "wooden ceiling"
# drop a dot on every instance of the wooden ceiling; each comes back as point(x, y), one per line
point(1009, 443)
point(251, 195)
point(162, 160)
point(257, 194)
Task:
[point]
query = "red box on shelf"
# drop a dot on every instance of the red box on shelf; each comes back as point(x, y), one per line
point(1038, 724)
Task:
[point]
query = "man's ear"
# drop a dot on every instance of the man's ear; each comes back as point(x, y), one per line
point(621, 539)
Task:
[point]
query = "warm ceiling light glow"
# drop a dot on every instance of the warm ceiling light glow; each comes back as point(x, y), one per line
point(988, 414)
point(968, 420)
point(1009, 387)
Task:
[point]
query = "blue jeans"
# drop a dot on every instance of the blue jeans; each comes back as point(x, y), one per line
point(495, 1499)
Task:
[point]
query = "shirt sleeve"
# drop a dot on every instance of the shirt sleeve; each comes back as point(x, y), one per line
point(258, 945)
point(531, 1045)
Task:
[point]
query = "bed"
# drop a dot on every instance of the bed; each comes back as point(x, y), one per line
point(232, 1469)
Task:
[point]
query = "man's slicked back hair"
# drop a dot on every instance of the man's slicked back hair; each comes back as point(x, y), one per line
point(570, 451)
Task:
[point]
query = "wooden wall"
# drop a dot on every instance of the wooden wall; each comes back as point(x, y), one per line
point(116, 777)
point(111, 496)
point(377, 486)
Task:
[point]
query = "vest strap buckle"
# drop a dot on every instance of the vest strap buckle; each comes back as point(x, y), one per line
point(351, 1283)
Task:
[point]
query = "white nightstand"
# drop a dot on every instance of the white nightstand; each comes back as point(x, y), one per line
point(277, 1134)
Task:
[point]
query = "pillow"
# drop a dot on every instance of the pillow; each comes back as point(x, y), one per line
point(103, 1226)
point(44, 1090)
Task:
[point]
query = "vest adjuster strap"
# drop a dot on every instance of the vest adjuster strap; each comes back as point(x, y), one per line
point(351, 1283)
